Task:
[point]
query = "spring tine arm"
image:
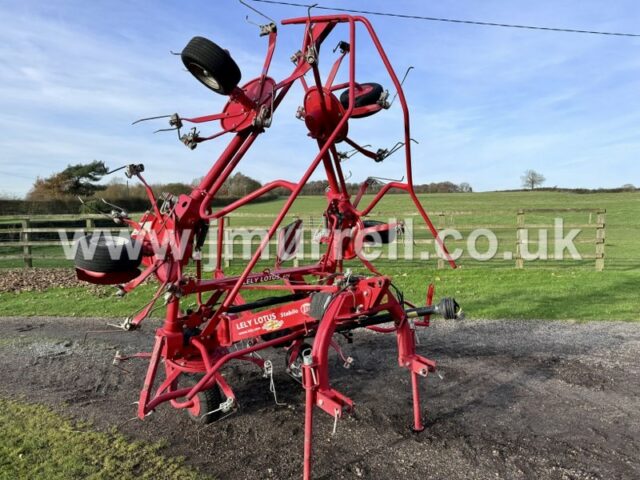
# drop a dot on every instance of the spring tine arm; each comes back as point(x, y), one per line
point(150, 118)
point(401, 83)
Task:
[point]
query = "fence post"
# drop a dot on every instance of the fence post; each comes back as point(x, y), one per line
point(89, 225)
point(296, 259)
point(600, 239)
point(441, 226)
point(519, 238)
point(26, 247)
point(228, 246)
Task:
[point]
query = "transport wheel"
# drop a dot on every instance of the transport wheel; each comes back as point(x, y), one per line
point(204, 404)
point(366, 94)
point(383, 236)
point(294, 367)
point(110, 254)
point(211, 65)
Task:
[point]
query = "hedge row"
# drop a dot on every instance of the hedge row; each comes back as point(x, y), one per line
point(71, 206)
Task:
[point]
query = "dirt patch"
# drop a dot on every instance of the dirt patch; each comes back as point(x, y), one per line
point(530, 400)
point(38, 279)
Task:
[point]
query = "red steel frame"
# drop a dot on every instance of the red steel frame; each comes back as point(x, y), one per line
point(200, 341)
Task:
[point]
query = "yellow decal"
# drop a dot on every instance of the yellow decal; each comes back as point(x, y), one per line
point(272, 325)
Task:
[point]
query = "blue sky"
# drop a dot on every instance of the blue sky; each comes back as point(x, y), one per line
point(486, 103)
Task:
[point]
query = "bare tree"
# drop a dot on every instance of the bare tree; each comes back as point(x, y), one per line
point(465, 187)
point(532, 179)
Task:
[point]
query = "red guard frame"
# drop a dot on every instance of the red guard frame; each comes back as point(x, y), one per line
point(200, 341)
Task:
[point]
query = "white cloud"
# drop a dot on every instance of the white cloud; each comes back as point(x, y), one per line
point(485, 103)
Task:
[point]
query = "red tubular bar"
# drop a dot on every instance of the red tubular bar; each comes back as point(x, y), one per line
point(407, 139)
point(226, 283)
point(216, 170)
point(239, 353)
point(189, 393)
point(417, 414)
point(231, 160)
point(320, 19)
point(252, 196)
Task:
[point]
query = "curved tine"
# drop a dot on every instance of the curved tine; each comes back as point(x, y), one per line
point(309, 7)
point(116, 169)
point(246, 18)
point(116, 207)
point(401, 83)
point(383, 179)
point(386, 153)
point(356, 151)
point(398, 146)
point(310, 29)
point(353, 152)
point(150, 118)
point(91, 207)
point(257, 11)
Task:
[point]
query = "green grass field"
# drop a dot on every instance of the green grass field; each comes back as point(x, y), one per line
point(568, 289)
point(36, 442)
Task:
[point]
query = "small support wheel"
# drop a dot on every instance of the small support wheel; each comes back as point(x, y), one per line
point(384, 236)
point(204, 404)
point(366, 94)
point(211, 65)
point(107, 254)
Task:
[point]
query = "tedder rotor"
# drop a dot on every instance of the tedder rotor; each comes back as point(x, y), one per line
point(295, 308)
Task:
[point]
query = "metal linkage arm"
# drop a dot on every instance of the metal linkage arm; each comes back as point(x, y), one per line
point(267, 187)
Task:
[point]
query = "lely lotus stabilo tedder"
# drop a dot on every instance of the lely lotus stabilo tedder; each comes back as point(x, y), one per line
point(297, 308)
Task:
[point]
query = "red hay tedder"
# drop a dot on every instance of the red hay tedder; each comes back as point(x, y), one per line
point(301, 308)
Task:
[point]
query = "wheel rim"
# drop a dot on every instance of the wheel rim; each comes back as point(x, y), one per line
point(205, 76)
point(195, 410)
point(295, 368)
point(109, 241)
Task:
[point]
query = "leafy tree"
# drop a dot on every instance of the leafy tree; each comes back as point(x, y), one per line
point(80, 179)
point(532, 179)
point(239, 185)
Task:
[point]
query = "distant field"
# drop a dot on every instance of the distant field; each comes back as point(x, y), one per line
point(494, 289)
point(623, 213)
point(477, 209)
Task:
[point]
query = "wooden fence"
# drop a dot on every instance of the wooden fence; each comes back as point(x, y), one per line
point(522, 239)
point(23, 235)
point(26, 231)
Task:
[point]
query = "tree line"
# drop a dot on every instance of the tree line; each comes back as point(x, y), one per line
point(82, 180)
point(319, 187)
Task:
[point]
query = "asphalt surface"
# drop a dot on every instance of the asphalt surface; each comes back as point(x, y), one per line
point(518, 400)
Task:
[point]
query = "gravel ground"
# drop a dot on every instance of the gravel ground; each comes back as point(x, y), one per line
point(36, 280)
point(519, 400)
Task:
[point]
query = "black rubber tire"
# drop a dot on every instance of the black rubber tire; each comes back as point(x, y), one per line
point(386, 236)
point(211, 65)
point(101, 261)
point(363, 99)
point(209, 400)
